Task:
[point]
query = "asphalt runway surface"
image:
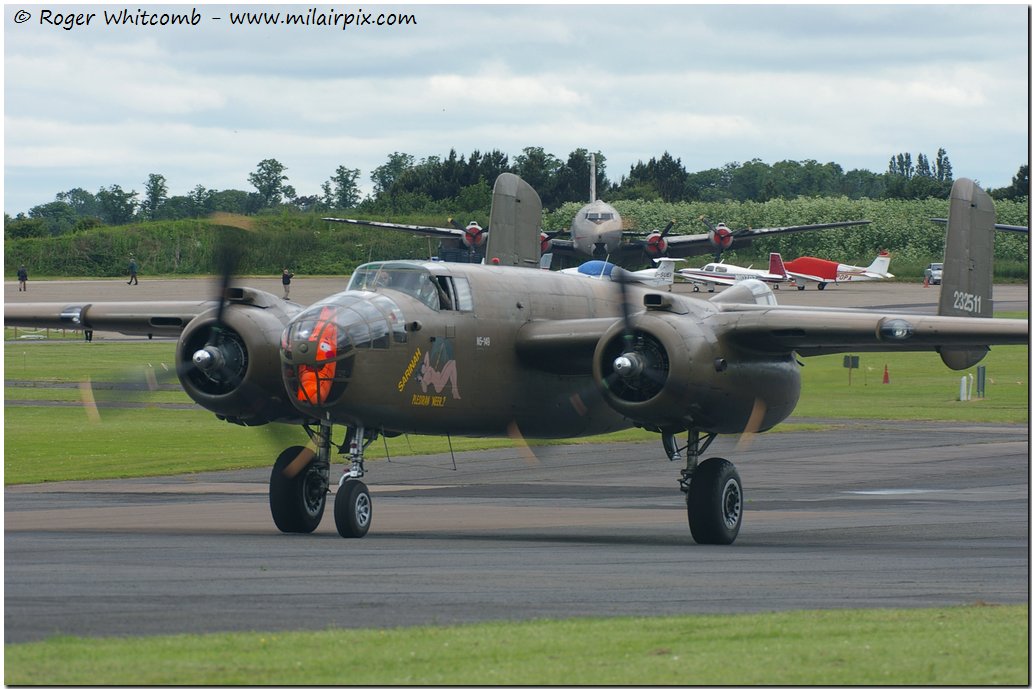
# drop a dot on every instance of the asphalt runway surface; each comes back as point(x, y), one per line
point(865, 514)
point(869, 515)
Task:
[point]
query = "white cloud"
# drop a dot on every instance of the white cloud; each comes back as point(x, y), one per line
point(710, 84)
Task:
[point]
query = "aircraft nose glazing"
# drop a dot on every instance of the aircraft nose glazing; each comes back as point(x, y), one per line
point(312, 349)
point(318, 348)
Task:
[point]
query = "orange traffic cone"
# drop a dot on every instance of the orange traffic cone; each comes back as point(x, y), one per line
point(925, 283)
point(886, 374)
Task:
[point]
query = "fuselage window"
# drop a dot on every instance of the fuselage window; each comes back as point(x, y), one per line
point(463, 295)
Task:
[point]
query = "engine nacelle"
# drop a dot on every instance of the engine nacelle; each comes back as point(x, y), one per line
point(656, 245)
point(721, 236)
point(233, 367)
point(474, 235)
point(669, 373)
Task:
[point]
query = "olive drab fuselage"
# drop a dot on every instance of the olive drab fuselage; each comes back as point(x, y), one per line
point(492, 350)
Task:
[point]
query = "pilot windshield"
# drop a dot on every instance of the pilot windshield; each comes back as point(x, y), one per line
point(412, 279)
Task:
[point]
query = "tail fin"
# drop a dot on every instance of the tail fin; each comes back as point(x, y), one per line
point(776, 266)
point(664, 271)
point(967, 285)
point(591, 189)
point(514, 229)
point(881, 265)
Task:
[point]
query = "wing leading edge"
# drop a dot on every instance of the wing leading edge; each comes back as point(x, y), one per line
point(818, 331)
point(129, 318)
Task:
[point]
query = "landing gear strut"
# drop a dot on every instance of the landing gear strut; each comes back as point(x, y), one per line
point(353, 508)
point(713, 490)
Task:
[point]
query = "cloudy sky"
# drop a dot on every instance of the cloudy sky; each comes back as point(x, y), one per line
point(100, 104)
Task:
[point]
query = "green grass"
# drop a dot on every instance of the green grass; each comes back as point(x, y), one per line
point(972, 645)
point(920, 388)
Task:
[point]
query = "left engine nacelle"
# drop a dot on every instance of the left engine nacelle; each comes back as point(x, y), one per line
point(231, 365)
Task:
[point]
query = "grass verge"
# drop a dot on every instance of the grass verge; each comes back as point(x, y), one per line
point(971, 645)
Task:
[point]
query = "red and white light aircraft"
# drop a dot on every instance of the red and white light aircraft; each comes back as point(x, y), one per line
point(822, 271)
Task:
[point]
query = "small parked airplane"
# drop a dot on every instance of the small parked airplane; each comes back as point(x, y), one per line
point(714, 274)
point(822, 271)
point(661, 276)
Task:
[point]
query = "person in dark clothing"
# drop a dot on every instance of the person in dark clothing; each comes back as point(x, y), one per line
point(286, 279)
point(23, 279)
point(132, 271)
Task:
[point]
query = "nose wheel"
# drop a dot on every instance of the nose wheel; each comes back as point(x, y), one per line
point(353, 509)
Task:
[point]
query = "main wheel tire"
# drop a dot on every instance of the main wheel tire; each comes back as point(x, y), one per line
point(297, 502)
point(353, 509)
point(821, 286)
point(715, 502)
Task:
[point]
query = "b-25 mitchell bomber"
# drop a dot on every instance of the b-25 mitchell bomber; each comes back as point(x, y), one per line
point(490, 350)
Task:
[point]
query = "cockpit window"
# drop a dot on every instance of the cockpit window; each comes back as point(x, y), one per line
point(439, 292)
point(598, 217)
point(413, 280)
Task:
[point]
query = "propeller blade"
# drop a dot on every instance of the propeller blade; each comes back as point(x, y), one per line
point(515, 435)
point(227, 258)
point(300, 462)
point(752, 425)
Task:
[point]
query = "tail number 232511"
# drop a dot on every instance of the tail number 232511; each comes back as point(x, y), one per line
point(968, 302)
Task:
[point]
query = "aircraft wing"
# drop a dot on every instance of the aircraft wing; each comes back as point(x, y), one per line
point(690, 245)
point(418, 230)
point(797, 276)
point(561, 247)
point(820, 331)
point(561, 346)
point(706, 279)
point(997, 226)
point(130, 318)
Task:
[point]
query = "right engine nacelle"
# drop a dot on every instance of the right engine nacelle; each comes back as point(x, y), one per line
point(232, 367)
point(667, 372)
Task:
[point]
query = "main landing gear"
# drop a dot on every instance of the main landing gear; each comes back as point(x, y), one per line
point(300, 482)
point(713, 490)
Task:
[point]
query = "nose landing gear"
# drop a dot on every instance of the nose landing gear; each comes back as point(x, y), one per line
point(353, 508)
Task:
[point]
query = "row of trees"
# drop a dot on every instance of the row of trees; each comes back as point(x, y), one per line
point(462, 184)
point(310, 246)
